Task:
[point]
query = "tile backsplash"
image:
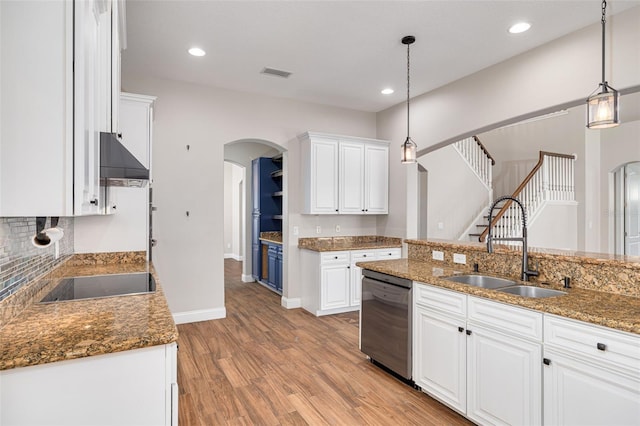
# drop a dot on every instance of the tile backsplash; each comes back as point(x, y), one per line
point(20, 261)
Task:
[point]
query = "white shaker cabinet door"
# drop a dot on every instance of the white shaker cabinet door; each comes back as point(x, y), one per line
point(324, 176)
point(376, 179)
point(351, 178)
point(578, 392)
point(334, 287)
point(504, 378)
point(439, 364)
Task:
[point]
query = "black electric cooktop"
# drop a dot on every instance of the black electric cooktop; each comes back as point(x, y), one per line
point(99, 286)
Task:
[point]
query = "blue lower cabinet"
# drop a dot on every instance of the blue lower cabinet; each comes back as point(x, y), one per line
point(274, 267)
point(279, 270)
point(272, 259)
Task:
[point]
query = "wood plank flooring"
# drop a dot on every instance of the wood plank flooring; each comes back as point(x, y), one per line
point(266, 365)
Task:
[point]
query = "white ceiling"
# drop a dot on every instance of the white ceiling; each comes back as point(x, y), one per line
point(341, 53)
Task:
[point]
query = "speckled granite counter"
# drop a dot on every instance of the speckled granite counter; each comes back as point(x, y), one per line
point(597, 307)
point(43, 333)
point(271, 237)
point(349, 243)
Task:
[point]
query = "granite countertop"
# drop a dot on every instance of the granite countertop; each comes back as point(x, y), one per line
point(44, 333)
point(606, 309)
point(274, 237)
point(349, 243)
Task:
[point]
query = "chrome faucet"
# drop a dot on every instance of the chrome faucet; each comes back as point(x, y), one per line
point(526, 272)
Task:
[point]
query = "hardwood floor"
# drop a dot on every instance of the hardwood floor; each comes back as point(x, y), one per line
point(266, 365)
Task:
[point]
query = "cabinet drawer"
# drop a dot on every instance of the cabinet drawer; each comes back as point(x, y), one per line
point(443, 300)
point(603, 344)
point(501, 317)
point(392, 253)
point(362, 256)
point(334, 257)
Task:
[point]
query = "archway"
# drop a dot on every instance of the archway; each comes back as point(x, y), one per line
point(241, 153)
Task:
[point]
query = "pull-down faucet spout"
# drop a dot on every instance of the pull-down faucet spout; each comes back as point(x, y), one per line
point(525, 272)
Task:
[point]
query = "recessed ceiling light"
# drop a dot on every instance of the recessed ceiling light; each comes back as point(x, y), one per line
point(520, 27)
point(196, 51)
point(387, 91)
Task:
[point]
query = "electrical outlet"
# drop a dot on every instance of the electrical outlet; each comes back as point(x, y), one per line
point(440, 225)
point(318, 229)
point(296, 230)
point(228, 245)
point(437, 255)
point(459, 258)
point(337, 228)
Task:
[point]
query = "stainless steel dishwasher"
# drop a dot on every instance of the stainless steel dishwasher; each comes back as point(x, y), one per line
point(385, 321)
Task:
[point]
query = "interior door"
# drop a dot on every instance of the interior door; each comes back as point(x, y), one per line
point(632, 209)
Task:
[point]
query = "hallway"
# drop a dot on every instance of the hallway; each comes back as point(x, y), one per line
point(264, 364)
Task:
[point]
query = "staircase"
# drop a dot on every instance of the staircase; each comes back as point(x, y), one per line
point(551, 179)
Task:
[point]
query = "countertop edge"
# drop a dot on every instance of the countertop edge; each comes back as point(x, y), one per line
point(537, 305)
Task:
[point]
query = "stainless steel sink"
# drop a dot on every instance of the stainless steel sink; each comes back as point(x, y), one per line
point(533, 292)
point(483, 281)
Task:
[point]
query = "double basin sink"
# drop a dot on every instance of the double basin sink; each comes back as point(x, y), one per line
point(505, 286)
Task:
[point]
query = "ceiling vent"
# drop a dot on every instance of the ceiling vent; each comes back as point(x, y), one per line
point(275, 72)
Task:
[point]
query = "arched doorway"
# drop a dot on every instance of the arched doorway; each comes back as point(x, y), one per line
point(626, 199)
point(242, 153)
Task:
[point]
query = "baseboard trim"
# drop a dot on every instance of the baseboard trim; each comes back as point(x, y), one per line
point(199, 315)
point(247, 278)
point(291, 303)
point(234, 257)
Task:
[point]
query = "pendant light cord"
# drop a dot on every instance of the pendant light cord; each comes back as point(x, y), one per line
point(604, 12)
point(408, 71)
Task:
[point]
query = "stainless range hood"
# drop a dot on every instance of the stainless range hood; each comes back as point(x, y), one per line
point(118, 167)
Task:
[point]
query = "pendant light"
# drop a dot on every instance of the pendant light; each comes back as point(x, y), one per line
point(603, 107)
point(409, 147)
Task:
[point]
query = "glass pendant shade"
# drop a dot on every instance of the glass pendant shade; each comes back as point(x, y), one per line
point(409, 149)
point(603, 109)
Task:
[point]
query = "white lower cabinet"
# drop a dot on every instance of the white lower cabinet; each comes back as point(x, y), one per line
point(504, 382)
point(334, 287)
point(465, 355)
point(440, 356)
point(124, 388)
point(591, 374)
point(333, 282)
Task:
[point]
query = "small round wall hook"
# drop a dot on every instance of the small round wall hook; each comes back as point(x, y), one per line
point(188, 147)
point(187, 213)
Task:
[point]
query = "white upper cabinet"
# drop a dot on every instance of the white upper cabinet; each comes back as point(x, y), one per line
point(57, 95)
point(320, 168)
point(376, 177)
point(135, 127)
point(344, 175)
point(351, 178)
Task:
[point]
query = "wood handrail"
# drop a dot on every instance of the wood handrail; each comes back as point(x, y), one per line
point(520, 187)
point(483, 148)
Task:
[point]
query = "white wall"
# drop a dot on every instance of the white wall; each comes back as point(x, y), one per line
point(555, 227)
point(563, 71)
point(189, 254)
point(125, 230)
point(233, 208)
point(455, 195)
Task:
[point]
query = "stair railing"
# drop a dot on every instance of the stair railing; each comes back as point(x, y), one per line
point(551, 179)
point(477, 157)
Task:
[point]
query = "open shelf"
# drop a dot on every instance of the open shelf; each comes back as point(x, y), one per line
point(277, 216)
point(277, 173)
point(277, 194)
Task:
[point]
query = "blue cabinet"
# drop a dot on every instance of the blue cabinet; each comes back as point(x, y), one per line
point(266, 211)
point(274, 267)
